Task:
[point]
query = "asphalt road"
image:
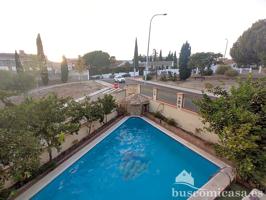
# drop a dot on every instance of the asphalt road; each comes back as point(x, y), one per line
point(121, 85)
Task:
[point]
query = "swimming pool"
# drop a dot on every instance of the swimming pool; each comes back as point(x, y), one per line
point(135, 161)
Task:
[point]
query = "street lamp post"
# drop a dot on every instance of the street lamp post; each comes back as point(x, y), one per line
point(147, 57)
point(225, 47)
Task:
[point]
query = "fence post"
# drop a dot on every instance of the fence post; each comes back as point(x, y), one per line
point(138, 89)
point(154, 94)
point(179, 99)
point(260, 68)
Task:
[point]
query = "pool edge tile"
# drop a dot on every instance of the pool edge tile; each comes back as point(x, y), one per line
point(220, 180)
point(40, 184)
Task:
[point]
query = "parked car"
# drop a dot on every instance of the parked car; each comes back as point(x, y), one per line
point(119, 79)
point(116, 85)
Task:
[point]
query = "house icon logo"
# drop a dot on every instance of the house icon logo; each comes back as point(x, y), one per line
point(185, 178)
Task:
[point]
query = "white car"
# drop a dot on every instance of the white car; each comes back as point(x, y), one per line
point(119, 79)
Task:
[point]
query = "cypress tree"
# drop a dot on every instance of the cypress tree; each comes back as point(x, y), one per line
point(136, 56)
point(19, 66)
point(175, 60)
point(42, 60)
point(154, 55)
point(64, 70)
point(184, 69)
point(160, 56)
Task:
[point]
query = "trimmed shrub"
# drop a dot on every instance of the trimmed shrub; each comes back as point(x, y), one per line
point(174, 77)
point(221, 69)
point(231, 73)
point(16, 82)
point(149, 77)
point(163, 77)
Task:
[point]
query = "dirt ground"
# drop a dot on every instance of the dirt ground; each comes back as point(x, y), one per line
point(203, 84)
point(214, 80)
point(198, 84)
point(74, 90)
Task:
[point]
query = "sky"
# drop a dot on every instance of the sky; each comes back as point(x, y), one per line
point(75, 27)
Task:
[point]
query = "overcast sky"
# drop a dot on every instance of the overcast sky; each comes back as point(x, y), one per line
point(73, 27)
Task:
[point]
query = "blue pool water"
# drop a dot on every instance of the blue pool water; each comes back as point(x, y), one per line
point(135, 162)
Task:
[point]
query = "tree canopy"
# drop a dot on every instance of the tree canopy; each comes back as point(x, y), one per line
point(238, 117)
point(97, 59)
point(34, 125)
point(92, 111)
point(250, 47)
point(184, 70)
point(108, 104)
point(20, 150)
point(50, 122)
point(204, 60)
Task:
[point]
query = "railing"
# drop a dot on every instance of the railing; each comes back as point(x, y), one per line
point(166, 96)
point(188, 103)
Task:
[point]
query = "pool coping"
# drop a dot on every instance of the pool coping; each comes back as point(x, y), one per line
point(219, 180)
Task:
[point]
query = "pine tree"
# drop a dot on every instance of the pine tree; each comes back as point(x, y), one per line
point(42, 60)
point(64, 70)
point(136, 56)
point(160, 56)
point(19, 66)
point(184, 70)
